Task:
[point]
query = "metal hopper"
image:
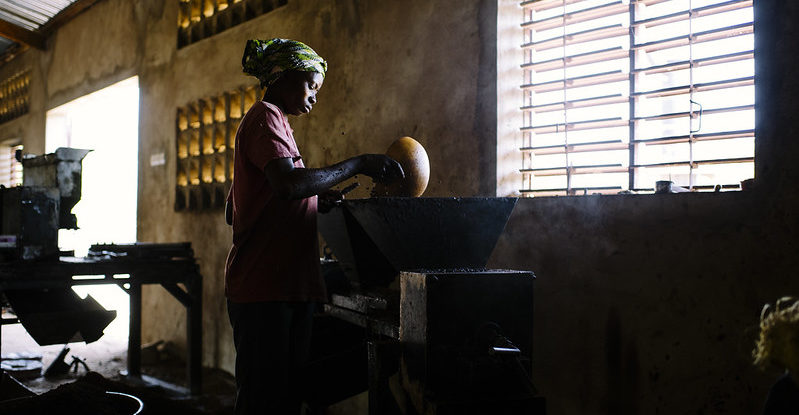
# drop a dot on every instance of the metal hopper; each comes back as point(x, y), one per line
point(374, 239)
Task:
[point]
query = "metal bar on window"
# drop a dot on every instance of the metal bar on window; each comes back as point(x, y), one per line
point(691, 131)
point(578, 81)
point(539, 5)
point(712, 60)
point(736, 186)
point(698, 137)
point(577, 103)
point(608, 145)
point(589, 35)
point(706, 86)
point(650, 2)
point(587, 169)
point(563, 190)
point(579, 16)
point(577, 125)
point(706, 36)
point(631, 91)
point(697, 162)
point(690, 113)
point(578, 59)
point(695, 13)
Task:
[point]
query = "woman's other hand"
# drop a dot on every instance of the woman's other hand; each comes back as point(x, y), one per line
point(381, 168)
point(329, 199)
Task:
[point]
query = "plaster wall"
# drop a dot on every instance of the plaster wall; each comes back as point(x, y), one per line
point(650, 303)
point(385, 80)
point(644, 304)
point(418, 75)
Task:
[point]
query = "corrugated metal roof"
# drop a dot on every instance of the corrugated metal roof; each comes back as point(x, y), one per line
point(31, 14)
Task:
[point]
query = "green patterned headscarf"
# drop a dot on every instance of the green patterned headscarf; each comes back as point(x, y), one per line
point(268, 59)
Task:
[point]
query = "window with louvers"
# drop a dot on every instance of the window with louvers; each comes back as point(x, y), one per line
point(10, 168)
point(621, 94)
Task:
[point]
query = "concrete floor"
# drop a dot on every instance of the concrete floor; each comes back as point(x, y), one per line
point(108, 356)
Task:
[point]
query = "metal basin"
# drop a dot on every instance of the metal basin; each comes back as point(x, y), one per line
point(374, 239)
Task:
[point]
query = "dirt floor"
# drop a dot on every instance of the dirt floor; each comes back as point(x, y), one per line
point(163, 388)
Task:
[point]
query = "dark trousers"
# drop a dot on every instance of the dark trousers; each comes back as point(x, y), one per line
point(272, 342)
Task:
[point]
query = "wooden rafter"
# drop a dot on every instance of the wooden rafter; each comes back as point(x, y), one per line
point(66, 15)
point(21, 35)
point(37, 38)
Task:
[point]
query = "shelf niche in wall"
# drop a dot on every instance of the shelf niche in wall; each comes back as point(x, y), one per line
point(199, 19)
point(15, 96)
point(205, 139)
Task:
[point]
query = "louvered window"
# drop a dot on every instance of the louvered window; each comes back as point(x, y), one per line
point(621, 94)
point(10, 168)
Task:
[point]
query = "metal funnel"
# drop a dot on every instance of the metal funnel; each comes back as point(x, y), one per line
point(374, 239)
point(61, 170)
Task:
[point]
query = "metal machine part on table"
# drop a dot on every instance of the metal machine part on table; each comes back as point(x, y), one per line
point(32, 214)
point(61, 170)
point(131, 266)
point(374, 239)
point(29, 226)
point(449, 334)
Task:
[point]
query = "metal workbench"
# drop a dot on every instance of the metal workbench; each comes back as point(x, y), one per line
point(129, 270)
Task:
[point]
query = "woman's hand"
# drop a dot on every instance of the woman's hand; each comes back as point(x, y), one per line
point(328, 200)
point(381, 168)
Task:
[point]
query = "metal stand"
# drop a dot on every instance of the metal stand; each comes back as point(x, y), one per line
point(168, 271)
point(454, 342)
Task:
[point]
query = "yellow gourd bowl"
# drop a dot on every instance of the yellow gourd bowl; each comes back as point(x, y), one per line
point(413, 159)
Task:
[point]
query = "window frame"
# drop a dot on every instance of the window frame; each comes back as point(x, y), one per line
point(630, 145)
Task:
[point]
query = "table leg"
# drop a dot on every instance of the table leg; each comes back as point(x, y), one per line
point(383, 362)
point(134, 334)
point(194, 331)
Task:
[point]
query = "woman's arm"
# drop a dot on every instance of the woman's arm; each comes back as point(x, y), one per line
point(298, 183)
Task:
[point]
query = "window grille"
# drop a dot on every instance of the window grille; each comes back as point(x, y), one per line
point(10, 168)
point(206, 136)
point(199, 19)
point(14, 96)
point(618, 95)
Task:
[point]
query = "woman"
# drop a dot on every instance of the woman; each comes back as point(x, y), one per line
point(272, 278)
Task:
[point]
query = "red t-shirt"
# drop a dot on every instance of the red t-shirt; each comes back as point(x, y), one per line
point(275, 254)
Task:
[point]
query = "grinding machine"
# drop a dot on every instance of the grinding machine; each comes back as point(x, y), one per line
point(36, 277)
point(31, 215)
point(442, 333)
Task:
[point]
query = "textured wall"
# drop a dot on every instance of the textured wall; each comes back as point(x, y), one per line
point(649, 303)
point(418, 75)
point(386, 80)
point(644, 304)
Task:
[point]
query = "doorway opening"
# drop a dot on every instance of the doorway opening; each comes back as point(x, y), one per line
point(106, 122)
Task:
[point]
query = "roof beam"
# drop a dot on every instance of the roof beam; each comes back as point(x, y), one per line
point(66, 15)
point(21, 35)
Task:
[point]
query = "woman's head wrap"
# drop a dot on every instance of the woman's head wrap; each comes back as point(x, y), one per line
point(268, 59)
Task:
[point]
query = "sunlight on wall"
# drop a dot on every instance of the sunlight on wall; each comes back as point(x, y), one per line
point(106, 122)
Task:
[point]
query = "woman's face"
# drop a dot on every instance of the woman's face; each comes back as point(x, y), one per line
point(298, 91)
